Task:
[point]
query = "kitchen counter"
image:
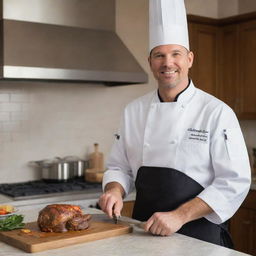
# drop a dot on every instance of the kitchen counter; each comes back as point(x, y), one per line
point(136, 243)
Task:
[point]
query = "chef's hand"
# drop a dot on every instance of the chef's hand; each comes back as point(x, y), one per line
point(167, 223)
point(163, 223)
point(111, 201)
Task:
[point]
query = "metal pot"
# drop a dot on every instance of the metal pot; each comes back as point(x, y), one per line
point(54, 170)
point(77, 166)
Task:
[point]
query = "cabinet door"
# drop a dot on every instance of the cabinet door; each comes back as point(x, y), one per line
point(127, 208)
point(203, 42)
point(247, 69)
point(241, 229)
point(228, 67)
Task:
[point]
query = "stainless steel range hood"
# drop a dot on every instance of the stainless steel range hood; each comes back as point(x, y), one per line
point(35, 50)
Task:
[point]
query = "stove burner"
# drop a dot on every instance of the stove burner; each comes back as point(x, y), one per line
point(41, 187)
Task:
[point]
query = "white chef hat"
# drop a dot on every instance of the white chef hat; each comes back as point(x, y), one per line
point(167, 23)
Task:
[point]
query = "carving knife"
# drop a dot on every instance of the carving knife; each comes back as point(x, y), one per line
point(129, 221)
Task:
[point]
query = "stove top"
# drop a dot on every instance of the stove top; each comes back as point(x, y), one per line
point(41, 188)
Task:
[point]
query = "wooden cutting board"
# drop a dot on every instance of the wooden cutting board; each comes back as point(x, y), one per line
point(36, 240)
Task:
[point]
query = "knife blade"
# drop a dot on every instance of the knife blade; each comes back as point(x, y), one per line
point(120, 220)
point(129, 221)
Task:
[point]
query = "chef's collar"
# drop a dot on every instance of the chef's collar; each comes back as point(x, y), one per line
point(177, 96)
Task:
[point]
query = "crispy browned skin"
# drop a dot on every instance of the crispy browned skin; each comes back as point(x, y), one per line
point(62, 217)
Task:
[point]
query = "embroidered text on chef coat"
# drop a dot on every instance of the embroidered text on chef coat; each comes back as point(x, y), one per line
point(197, 135)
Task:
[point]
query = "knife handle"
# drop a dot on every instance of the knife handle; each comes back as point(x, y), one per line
point(115, 218)
point(140, 225)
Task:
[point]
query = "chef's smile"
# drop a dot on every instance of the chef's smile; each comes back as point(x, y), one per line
point(169, 74)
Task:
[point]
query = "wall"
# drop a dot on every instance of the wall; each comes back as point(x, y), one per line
point(208, 8)
point(45, 119)
point(246, 6)
point(219, 8)
point(228, 8)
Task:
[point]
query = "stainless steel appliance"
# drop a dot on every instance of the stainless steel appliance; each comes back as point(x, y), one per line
point(75, 40)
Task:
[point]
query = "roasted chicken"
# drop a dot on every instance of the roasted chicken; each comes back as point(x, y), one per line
point(62, 217)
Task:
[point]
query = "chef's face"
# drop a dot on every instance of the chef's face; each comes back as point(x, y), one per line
point(170, 65)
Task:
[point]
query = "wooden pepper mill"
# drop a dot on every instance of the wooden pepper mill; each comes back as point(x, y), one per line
point(96, 159)
point(96, 166)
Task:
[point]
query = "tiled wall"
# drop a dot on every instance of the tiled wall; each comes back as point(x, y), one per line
point(13, 112)
point(43, 120)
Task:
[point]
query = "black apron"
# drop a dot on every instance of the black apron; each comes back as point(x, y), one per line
point(164, 189)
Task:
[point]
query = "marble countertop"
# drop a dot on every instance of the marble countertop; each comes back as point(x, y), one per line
point(137, 243)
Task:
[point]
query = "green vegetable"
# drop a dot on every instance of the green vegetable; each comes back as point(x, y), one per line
point(12, 222)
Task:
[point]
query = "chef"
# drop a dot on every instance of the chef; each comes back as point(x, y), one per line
point(180, 147)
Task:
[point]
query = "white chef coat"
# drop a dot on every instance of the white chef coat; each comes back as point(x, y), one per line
point(198, 135)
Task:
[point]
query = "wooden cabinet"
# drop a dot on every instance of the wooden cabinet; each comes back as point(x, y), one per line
point(243, 225)
point(224, 64)
point(127, 208)
point(203, 42)
point(228, 89)
point(247, 70)
point(238, 76)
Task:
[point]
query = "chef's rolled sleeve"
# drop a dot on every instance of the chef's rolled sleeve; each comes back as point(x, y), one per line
point(223, 208)
point(120, 177)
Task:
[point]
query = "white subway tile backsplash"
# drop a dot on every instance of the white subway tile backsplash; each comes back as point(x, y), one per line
point(10, 126)
point(5, 137)
point(25, 107)
point(19, 116)
point(4, 97)
point(8, 106)
point(17, 136)
point(15, 97)
point(4, 116)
